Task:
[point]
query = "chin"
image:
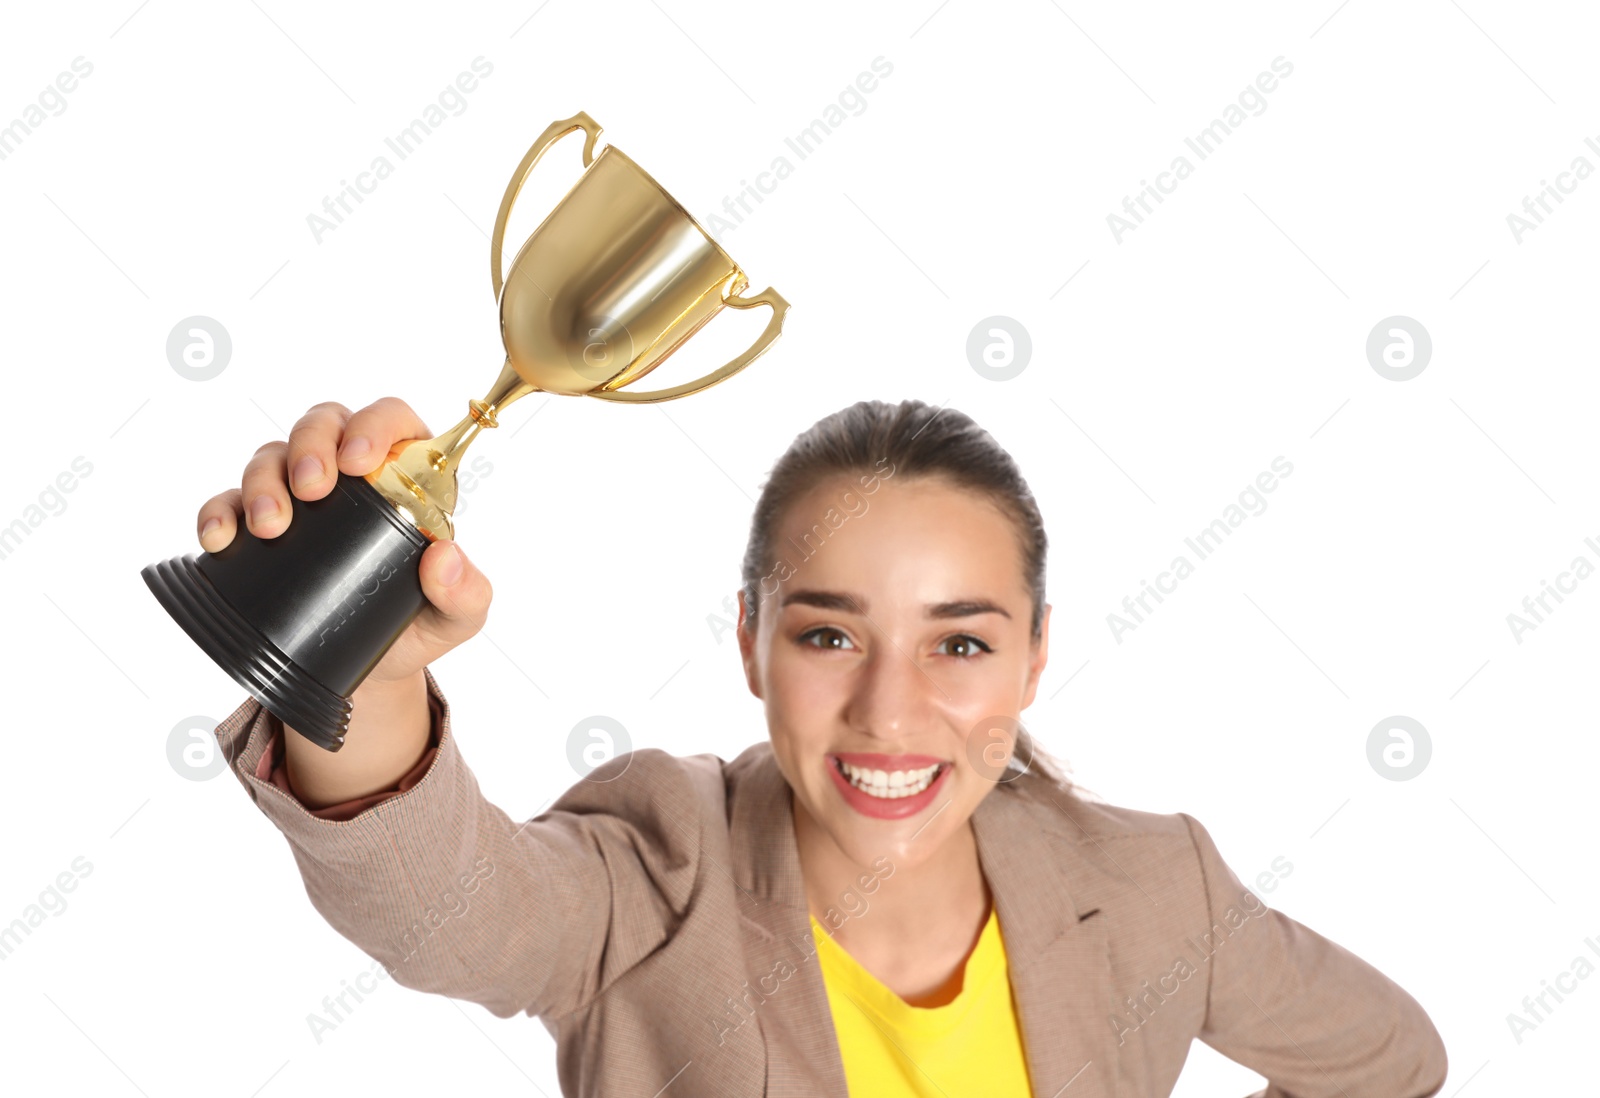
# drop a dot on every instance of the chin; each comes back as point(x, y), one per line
point(865, 841)
point(866, 852)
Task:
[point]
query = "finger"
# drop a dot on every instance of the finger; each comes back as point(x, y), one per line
point(370, 433)
point(459, 603)
point(218, 520)
point(313, 442)
point(265, 491)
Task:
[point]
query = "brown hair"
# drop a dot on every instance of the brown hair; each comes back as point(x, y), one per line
point(915, 440)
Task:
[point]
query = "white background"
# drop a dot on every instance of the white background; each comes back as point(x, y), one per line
point(1167, 371)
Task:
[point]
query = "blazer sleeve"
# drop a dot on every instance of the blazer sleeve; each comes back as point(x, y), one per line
point(1315, 1019)
point(454, 897)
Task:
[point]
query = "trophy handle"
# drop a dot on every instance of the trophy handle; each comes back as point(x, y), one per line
point(769, 296)
point(555, 131)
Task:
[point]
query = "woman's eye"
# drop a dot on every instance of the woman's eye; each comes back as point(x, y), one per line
point(827, 637)
point(968, 643)
point(826, 631)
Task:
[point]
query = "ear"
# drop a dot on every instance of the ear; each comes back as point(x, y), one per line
point(747, 648)
point(1040, 656)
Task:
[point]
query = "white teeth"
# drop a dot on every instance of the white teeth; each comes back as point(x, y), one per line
point(890, 785)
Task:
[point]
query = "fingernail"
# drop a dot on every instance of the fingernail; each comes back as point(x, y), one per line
point(211, 524)
point(354, 449)
point(450, 571)
point(262, 508)
point(307, 470)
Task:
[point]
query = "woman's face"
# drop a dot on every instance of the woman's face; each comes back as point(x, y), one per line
point(891, 649)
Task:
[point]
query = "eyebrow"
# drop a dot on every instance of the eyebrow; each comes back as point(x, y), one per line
point(849, 603)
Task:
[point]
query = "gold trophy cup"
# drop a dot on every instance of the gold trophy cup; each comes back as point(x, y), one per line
point(610, 284)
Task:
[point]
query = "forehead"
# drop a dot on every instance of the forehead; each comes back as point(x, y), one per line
point(919, 539)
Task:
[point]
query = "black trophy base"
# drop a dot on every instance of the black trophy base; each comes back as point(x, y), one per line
point(243, 651)
point(299, 620)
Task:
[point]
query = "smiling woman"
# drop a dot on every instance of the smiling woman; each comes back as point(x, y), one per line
point(665, 902)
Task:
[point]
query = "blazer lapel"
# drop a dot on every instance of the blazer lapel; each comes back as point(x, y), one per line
point(1056, 953)
point(792, 1011)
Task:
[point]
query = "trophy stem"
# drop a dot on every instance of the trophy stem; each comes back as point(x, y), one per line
point(419, 477)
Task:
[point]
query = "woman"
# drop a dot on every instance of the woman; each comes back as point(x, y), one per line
point(895, 894)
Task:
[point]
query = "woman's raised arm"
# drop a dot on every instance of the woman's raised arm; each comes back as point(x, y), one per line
point(418, 869)
point(455, 897)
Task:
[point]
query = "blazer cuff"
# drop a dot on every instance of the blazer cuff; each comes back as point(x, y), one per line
point(272, 768)
point(252, 739)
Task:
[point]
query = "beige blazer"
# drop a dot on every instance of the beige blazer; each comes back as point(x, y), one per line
point(654, 920)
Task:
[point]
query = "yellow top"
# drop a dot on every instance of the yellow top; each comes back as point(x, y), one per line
point(891, 1049)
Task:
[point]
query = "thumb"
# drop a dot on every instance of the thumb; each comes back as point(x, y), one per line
point(458, 595)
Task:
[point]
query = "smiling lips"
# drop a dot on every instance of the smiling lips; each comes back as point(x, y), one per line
point(887, 786)
point(885, 762)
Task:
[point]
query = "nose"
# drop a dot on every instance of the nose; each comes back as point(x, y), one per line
point(892, 697)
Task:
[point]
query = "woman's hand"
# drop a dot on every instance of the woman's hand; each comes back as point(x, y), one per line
point(326, 440)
